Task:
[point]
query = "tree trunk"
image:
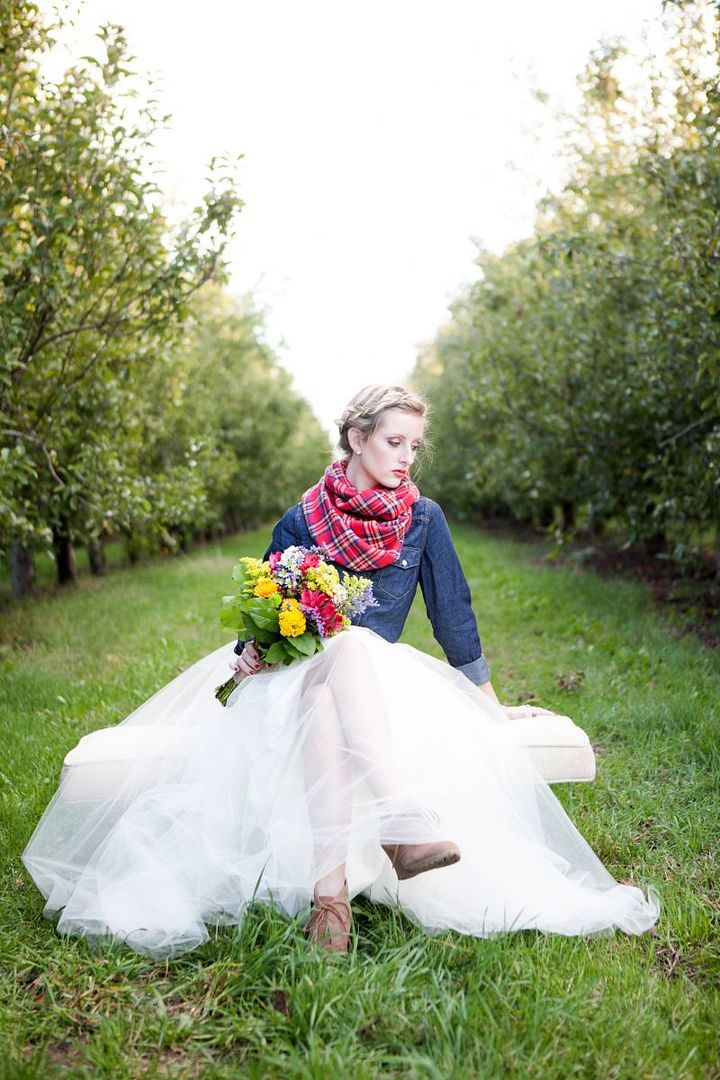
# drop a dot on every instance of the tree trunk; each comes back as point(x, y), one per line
point(655, 543)
point(544, 516)
point(181, 539)
point(22, 569)
point(96, 557)
point(64, 555)
point(132, 548)
point(233, 523)
point(568, 514)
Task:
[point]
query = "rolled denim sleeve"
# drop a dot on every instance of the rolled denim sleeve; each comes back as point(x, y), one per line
point(283, 535)
point(448, 601)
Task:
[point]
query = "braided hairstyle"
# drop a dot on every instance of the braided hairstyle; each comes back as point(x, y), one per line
point(364, 409)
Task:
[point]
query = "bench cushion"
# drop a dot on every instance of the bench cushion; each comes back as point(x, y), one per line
point(561, 750)
point(98, 765)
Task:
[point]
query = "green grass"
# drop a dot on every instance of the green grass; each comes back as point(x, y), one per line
point(256, 1001)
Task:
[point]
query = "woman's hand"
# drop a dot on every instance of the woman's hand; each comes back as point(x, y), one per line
point(519, 712)
point(249, 662)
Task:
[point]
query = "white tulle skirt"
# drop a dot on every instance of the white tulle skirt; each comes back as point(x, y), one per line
point(311, 766)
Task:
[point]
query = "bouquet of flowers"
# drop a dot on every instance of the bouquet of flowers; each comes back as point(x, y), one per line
point(289, 604)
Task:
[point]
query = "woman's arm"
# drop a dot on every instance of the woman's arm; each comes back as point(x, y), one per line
point(487, 688)
point(449, 606)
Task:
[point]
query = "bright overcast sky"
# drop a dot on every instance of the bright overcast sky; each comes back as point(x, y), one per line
point(379, 137)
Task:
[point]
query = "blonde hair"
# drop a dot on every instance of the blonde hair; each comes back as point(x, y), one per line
point(364, 409)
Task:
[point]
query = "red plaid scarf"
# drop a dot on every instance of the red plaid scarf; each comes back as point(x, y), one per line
point(362, 530)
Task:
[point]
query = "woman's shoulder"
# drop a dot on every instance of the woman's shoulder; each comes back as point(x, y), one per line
point(286, 524)
point(293, 521)
point(429, 509)
point(436, 530)
point(426, 516)
point(291, 512)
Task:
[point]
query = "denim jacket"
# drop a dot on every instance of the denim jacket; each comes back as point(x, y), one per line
point(428, 557)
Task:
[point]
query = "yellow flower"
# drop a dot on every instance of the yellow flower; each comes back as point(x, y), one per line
point(250, 563)
point(291, 619)
point(265, 587)
point(255, 570)
point(323, 578)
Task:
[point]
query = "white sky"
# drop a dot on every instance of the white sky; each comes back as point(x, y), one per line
point(378, 138)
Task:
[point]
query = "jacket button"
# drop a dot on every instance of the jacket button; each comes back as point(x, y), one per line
point(404, 562)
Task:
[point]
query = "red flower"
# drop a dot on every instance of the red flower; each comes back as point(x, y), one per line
point(321, 609)
point(311, 559)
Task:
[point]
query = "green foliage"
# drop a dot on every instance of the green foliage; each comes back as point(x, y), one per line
point(133, 398)
point(262, 444)
point(578, 381)
point(93, 284)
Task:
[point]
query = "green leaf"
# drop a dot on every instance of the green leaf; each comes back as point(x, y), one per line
point(233, 620)
point(289, 645)
point(276, 653)
point(263, 613)
point(305, 643)
point(239, 573)
point(231, 613)
point(261, 633)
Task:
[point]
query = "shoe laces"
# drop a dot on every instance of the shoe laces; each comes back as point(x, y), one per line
point(332, 905)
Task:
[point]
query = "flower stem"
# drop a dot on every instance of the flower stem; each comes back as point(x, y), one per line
point(223, 692)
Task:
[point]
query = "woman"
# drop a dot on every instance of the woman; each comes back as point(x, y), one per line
point(371, 767)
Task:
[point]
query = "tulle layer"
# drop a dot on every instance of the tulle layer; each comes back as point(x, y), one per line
point(310, 766)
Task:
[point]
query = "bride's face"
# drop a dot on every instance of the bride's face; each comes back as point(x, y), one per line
point(385, 457)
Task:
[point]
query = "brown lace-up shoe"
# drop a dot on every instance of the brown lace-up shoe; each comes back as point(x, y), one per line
point(330, 922)
point(411, 859)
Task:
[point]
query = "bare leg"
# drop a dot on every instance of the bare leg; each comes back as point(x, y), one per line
point(328, 775)
point(362, 716)
point(347, 745)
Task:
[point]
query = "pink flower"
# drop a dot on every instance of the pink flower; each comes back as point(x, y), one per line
point(312, 559)
point(321, 609)
point(274, 559)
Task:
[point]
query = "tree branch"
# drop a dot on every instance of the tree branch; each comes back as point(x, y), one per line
point(689, 428)
point(33, 438)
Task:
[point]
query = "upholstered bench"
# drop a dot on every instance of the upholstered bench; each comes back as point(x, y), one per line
point(97, 766)
point(561, 750)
